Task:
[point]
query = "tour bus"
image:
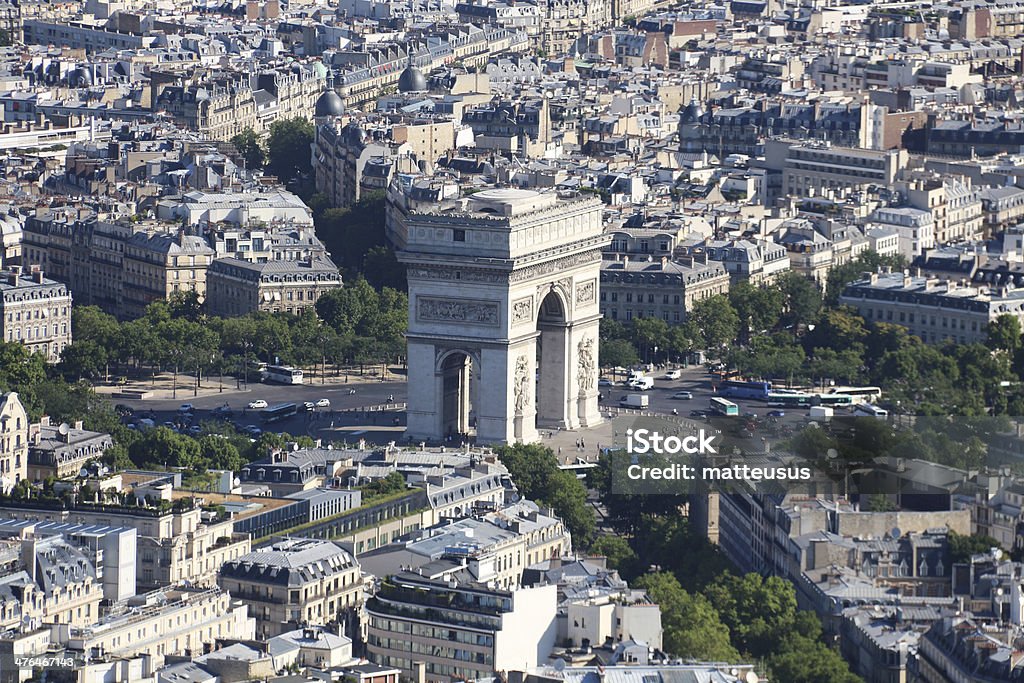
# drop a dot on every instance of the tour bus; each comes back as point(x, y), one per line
point(720, 406)
point(279, 412)
point(742, 389)
point(868, 410)
point(282, 374)
point(833, 400)
point(860, 394)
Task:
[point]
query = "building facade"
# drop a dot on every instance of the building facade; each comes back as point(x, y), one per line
point(36, 312)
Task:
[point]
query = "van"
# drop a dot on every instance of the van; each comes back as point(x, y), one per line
point(635, 401)
point(641, 384)
point(673, 374)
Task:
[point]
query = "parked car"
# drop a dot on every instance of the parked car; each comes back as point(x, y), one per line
point(223, 411)
point(323, 403)
point(186, 408)
point(698, 413)
point(750, 415)
point(683, 395)
point(776, 413)
point(195, 430)
point(170, 425)
point(123, 411)
point(253, 431)
point(258, 403)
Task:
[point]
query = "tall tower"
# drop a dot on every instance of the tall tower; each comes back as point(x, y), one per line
point(503, 316)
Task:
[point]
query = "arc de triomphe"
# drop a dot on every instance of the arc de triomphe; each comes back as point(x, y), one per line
point(503, 315)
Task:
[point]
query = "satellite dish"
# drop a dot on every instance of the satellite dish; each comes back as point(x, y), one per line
point(83, 473)
point(64, 429)
point(832, 454)
point(752, 677)
point(895, 533)
point(237, 481)
point(295, 446)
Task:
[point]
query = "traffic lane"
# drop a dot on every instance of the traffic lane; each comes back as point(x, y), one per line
point(343, 398)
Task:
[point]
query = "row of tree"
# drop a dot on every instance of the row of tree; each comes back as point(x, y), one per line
point(354, 324)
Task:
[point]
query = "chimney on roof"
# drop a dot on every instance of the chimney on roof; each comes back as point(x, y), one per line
point(15, 275)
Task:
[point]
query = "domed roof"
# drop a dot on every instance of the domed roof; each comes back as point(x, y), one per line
point(329, 104)
point(412, 80)
point(692, 112)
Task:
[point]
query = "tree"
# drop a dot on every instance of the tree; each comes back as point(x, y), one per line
point(651, 333)
point(757, 610)
point(802, 299)
point(218, 453)
point(288, 149)
point(1004, 334)
point(758, 308)
point(534, 469)
point(161, 446)
point(692, 628)
point(805, 660)
point(617, 353)
point(716, 320)
point(250, 147)
point(619, 555)
point(20, 370)
point(352, 233)
point(962, 547)
point(382, 269)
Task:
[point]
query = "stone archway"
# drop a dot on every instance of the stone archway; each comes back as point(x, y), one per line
point(503, 315)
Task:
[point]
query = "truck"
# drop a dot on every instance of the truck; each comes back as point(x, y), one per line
point(820, 412)
point(635, 401)
point(642, 383)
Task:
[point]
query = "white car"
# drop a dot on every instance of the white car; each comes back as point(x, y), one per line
point(603, 382)
point(186, 408)
point(258, 403)
point(323, 403)
point(673, 374)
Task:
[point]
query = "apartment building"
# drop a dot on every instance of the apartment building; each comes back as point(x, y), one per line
point(13, 441)
point(459, 629)
point(295, 582)
point(496, 547)
point(60, 451)
point(915, 227)
point(666, 288)
point(236, 287)
point(59, 585)
point(833, 172)
point(174, 545)
point(118, 265)
point(178, 621)
point(35, 311)
point(111, 550)
point(1003, 207)
point(759, 262)
point(932, 310)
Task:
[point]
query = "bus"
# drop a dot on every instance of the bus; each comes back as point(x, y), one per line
point(282, 374)
point(720, 406)
point(868, 410)
point(279, 412)
point(833, 400)
point(789, 399)
point(860, 394)
point(735, 388)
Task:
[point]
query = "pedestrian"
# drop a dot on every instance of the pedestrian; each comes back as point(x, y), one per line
point(583, 444)
point(559, 450)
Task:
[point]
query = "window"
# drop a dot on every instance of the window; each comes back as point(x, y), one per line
point(459, 235)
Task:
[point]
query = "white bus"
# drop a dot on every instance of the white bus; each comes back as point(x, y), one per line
point(868, 410)
point(282, 374)
point(859, 394)
point(720, 406)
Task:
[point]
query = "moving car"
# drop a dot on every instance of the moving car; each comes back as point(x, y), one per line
point(223, 411)
point(776, 413)
point(258, 403)
point(186, 408)
point(750, 415)
point(605, 382)
point(684, 395)
point(698, 413)
point(323, 403)
point(309, 406)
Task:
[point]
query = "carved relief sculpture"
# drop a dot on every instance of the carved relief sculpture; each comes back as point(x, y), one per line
point(522, 310)
point(453, 310)
point(521, 387)
point(586, 292)
point(587, 366)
